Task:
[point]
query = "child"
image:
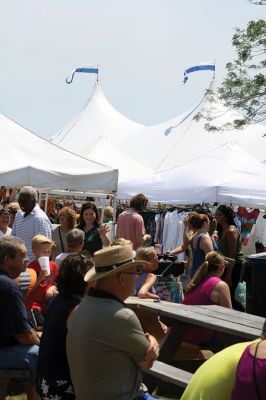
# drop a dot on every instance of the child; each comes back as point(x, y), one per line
point(144, 285)
point(45, 287)
point(75, 242)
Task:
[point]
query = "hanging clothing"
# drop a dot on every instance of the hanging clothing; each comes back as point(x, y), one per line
point(247, 219)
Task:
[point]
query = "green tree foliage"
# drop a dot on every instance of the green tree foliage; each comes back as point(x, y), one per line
point(244, 87)
point(258, 2)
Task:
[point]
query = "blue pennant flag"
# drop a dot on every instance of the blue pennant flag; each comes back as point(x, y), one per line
point(206, 66)
point(87, 70)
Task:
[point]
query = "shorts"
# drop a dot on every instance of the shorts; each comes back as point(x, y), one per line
point(20, 357)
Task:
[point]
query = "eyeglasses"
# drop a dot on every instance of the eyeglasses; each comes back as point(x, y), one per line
point(137, 272)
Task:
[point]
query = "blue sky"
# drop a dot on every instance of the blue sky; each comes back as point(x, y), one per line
point(142, 48)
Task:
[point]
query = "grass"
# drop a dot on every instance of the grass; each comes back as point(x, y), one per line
point(166, 391)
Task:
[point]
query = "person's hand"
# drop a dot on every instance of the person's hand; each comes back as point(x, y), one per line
point(152, 352)
point(41, 276)
point(103, 230)
point(146, 237)
point(215, 236)
point(51, 292)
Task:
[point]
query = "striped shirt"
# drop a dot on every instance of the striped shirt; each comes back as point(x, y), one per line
point(35, 223)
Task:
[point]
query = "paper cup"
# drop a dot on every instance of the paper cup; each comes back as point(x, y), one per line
point(44, 264)
point(158, 249)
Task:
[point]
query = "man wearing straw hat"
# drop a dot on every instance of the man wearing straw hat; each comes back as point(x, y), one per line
point(106, 345)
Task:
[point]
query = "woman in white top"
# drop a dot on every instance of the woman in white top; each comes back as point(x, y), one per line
point(67, 221)
point(4, 223)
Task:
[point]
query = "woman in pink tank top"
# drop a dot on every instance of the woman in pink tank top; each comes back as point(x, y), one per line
point(207, 288)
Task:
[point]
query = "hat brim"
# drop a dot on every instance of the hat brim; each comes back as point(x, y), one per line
point(92, 275)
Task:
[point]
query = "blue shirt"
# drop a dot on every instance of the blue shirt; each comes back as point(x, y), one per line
point(13, 314)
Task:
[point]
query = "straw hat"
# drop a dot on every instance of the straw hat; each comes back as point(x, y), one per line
point(111, 260)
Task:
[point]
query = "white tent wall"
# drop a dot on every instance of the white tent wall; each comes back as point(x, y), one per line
point(98, 118)
point(28, 159)
point(227, 174)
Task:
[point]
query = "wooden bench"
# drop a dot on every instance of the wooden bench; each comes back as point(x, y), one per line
point(168, 373)
point(6, 375)
point(14, 373)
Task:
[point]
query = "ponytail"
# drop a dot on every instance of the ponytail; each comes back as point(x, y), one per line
point(212, 262)
point(199, 276)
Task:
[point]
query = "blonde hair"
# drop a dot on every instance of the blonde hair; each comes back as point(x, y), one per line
point(144, 253)
point(39, 240)
point(211, 264)
point(13, 206)
point(122, 242)
point(107, 213)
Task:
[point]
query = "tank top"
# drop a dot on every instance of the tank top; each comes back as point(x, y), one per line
point(198, 256)
point(223, 247)
point(245, 388)
point(201, 295)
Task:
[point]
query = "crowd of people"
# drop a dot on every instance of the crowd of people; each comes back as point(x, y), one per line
point(71, 283)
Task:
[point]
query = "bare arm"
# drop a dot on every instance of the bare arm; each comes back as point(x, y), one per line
point(152, 352)
point(144, 293)
point(187, 237)
point(28, 338)
point(103, 230)
point(183, 248)
point(221, 295)
point(232, 236)
point(206, 244)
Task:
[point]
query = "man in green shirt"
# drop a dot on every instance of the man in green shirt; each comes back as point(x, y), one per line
point(106, 345)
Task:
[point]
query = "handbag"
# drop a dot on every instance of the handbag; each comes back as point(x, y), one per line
point(240, 293)
point(168, 286)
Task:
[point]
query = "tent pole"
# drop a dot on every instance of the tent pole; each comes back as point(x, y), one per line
point(114, 217)
point(46, 202)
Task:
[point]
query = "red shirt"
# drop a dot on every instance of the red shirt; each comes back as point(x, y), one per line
point(37, 298)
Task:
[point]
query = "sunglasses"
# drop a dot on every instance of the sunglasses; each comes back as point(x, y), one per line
point(4, 212)
point(137, 272)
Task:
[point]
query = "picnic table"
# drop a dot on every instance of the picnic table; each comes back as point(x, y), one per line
point(234, 325)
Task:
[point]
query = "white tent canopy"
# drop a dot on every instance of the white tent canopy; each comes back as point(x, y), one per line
point(226, 174)
point(98, 118)
point(27, 159)
point(103, 151)
point(183, 138)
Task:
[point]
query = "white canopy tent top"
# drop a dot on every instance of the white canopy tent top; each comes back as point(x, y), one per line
point(27, 159)
point(183, 138)
point(227, 174)
point(105, 152)
point(98, 118)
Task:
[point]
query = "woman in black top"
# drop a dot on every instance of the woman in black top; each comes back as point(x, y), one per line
point(95, 234)
point(53, 376)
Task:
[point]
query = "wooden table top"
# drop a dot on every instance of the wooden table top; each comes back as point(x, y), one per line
point(214, 317)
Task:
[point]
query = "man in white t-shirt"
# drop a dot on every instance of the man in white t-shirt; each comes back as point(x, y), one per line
point(31, 220)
